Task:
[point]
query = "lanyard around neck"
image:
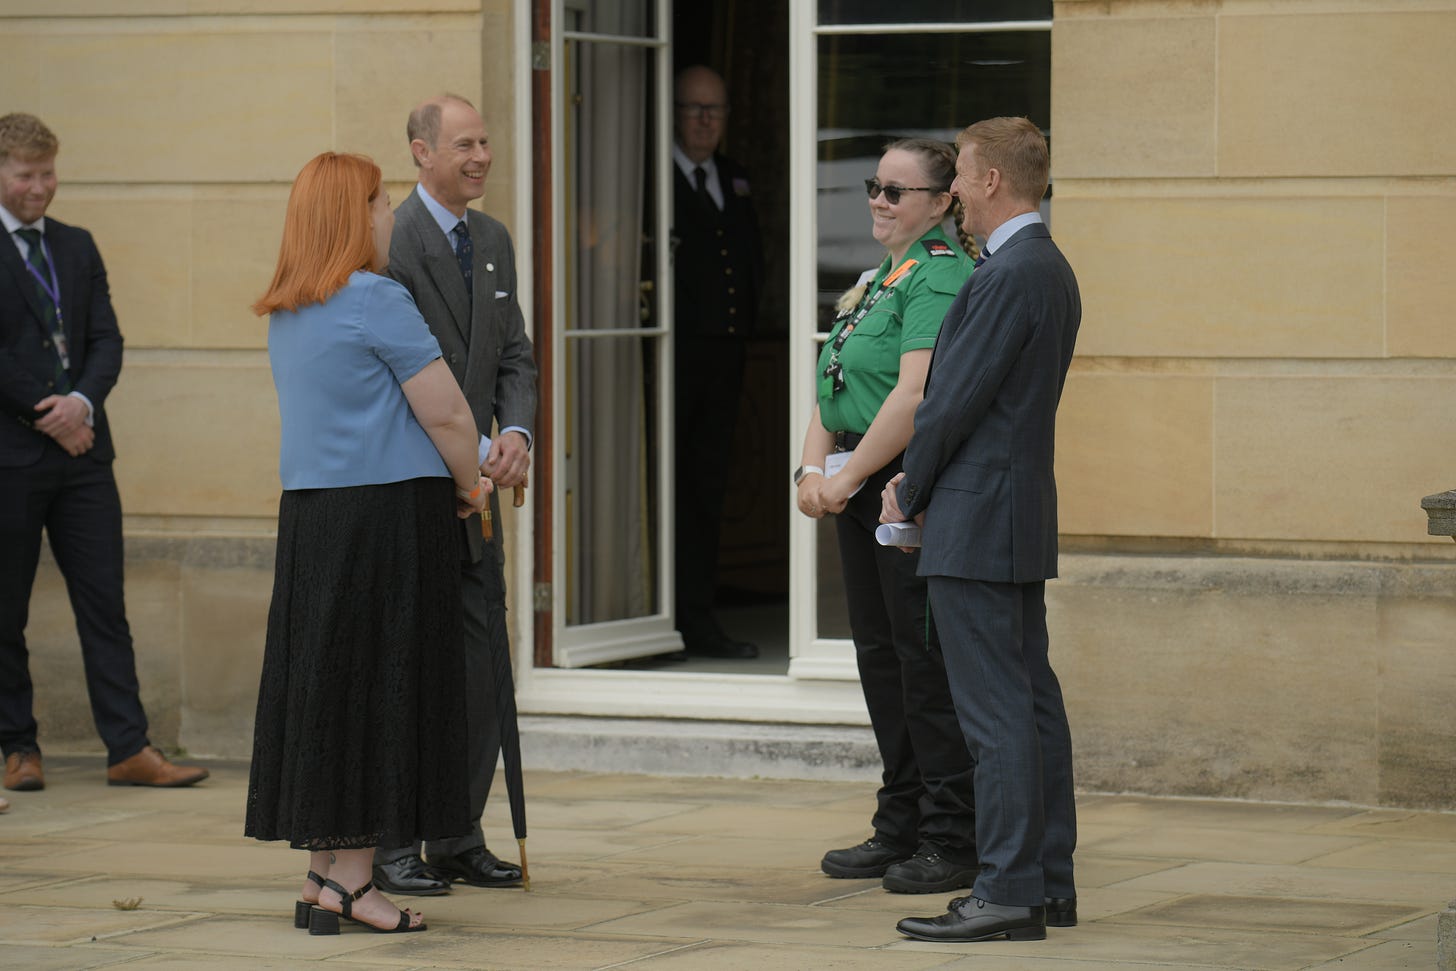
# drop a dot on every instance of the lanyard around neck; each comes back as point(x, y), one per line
point(868, 304)
point(52, 287)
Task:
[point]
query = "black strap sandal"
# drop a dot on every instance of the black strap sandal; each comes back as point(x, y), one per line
point(301, 908)
point(322, 922)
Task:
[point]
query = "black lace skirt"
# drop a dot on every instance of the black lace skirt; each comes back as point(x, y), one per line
point(359, 739)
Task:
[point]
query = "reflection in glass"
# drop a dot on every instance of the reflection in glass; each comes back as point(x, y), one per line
point(931, 11)
point(610, 469)
point(873, 89)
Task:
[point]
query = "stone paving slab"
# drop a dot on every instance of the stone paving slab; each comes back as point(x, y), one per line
point(760, 923)
point(1390, 956)
point(77, 958)
point(727, 956)
point(1304, 916)
point(24, 924)
point(1429, 890)
point(756, 822)
point(454, 948)
point(549, 847)
point(499, 909)
point(1139, 812)
point(1424, 855)
point(1133, 946)
point(656, 882)
point(1394, 824)
point(169, 859)
point(272, 937)
point(1218, 843)
point(713, 850)
point(262, 898)
point(1095, 869)
point(548, 813)
point(634, 871)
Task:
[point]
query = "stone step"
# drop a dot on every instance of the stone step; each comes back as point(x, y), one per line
point(660, 746)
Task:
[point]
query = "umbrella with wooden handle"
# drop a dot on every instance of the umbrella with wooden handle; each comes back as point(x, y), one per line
point(505, 707)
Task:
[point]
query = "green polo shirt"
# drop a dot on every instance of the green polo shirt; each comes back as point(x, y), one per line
point(906, 318)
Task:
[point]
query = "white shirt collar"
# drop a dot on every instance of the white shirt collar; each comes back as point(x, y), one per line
point(686, 165)
point(444, 218)
point(12, 223)
point(1008, 229)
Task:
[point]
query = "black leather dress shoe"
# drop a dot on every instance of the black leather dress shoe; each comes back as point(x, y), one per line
point(1061, 911)
point(478, 867)
point(869, 859)
point(929, 872)
point(409, 875)
point(971, 919)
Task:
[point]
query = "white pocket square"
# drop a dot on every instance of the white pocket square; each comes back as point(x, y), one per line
point(501, 294)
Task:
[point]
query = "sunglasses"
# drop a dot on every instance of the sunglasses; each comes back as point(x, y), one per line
point(892, 192)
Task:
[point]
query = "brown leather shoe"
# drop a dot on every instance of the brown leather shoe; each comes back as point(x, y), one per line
point(150, 767)
point(23, 772)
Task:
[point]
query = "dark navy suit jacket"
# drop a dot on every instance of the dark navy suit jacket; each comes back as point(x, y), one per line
point(27, 359)
point(980, 462)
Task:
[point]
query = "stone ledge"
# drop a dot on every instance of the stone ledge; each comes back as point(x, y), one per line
point(1441, 513)
point(656, 746)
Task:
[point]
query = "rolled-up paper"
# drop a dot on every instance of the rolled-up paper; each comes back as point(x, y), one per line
point(897, 534)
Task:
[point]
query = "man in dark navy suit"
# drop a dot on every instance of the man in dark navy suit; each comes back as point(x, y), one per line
point(978, 476)
point(717, 268)
point(60, 354)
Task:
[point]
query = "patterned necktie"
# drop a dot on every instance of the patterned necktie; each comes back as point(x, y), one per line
point(980, 259)
point(700, 178)
point(41, 270)
point(465, 253)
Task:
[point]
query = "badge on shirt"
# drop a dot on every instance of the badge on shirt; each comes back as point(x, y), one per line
point(938, 247)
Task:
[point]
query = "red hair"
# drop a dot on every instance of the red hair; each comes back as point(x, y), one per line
point(326, 231)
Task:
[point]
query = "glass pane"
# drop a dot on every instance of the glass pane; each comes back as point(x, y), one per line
point(629, 18)
point(611, 480)
point(873, 89)
point(611, 525)
point(876, 88)
point(931, 11)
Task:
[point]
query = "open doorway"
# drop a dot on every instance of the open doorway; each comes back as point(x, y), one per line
point(746, 42)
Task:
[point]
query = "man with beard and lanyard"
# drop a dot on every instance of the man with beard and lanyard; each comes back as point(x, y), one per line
point(60, 354)
point(460, 267)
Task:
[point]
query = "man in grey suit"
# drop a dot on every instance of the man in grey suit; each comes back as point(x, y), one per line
point(978, 477)
point(460, 267)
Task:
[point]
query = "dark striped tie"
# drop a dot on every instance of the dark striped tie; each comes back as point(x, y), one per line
point(465, 253)
point(980, 259)
point(41, 269)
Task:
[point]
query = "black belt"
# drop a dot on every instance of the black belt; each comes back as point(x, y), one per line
point(847, 441)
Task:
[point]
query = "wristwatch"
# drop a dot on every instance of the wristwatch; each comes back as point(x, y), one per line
point(804, 470)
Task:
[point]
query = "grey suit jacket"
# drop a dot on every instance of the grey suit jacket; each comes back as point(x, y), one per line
point(980, 462)
point(485, 344)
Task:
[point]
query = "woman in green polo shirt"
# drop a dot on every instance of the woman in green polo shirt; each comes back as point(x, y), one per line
point(871, 374)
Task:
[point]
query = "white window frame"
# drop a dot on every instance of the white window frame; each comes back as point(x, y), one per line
point(821, 684)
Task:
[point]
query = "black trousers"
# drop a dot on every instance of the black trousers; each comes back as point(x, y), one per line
point(75, 502)
point(483, 595)
point(708, 384)
point(1010, 706)
point(925, 797)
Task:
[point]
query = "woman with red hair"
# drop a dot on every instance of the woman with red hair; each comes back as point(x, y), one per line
point(360, 706)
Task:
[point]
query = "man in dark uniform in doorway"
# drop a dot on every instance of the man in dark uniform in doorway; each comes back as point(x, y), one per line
point(718, 265)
